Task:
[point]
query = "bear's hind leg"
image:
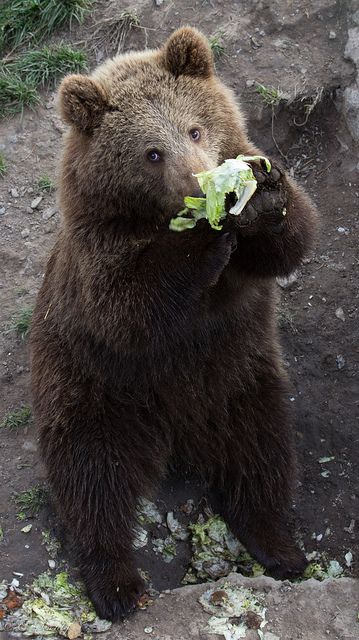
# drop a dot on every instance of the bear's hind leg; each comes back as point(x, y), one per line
point(99, 468)
point(256, 487)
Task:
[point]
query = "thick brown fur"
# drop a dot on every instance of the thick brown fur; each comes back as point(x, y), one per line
point(149, 344)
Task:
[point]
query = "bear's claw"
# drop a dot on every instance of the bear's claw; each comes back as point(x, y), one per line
point(116, 602)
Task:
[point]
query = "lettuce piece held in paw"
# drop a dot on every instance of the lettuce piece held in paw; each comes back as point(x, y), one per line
point(233, 176)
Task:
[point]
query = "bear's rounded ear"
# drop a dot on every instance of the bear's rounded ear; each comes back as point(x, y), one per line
point(187, 52)
point(82, 102)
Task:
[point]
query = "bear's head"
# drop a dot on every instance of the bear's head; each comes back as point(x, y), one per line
point(141, 125)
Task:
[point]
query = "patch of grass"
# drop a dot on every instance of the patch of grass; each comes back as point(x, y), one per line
point(111, 34)
point(217, 46)
point(46, 65)
point(31, 501)
point(2, 165)
point(22, 291)
point(46, 184)
point(33, 20)
point(16, 419)
point(21, 324)
point(20, 77)
point(270, 96)
point(16, 93)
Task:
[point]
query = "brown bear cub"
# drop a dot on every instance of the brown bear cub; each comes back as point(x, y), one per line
point(149, 344)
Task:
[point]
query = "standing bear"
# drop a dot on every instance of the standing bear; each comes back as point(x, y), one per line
point(148, 344)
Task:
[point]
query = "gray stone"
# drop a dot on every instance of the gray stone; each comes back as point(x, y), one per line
point(351, 110)
point(312, 610)
point(25, 233)
point(35, 203)
point(14, 193)
point(352, 46)
point(28, 445)
point(48, 213)
point(287, 281)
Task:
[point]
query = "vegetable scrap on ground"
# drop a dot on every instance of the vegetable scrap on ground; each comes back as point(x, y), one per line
point(55, 606)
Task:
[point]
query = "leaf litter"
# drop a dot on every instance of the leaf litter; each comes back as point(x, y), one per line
point(51, 606)
point(234, 609)
point(216, 552)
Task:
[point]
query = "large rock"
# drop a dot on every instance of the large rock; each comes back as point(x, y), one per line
point(309, 610)
point(352, 46)
point(351, 94)
point(351, 110)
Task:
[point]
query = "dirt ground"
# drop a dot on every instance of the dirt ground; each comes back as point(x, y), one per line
point(294, 46)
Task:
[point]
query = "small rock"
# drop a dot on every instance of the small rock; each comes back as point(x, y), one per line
point(148, 629)
point(340, 361)
point(350, 529)
point(251, 634)
point(48, 213)
point(250, 83)
point(49, 228)
point(332, 35)
point(25, 233)
point(2, 211)
point(74, 631)
point(219, 597)
point(344, 230)
point(158, 3)
point(26, 529)
point(30, 446)
point(340, 314)
point(35, 203)
point(29, 210)
point(14, 193)
point(251, 619)
point(52, 564)
point(287, 281)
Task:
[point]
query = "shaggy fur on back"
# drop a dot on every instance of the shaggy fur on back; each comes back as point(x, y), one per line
point(149, 344)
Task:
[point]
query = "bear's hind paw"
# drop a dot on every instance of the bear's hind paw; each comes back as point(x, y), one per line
point(116, 602)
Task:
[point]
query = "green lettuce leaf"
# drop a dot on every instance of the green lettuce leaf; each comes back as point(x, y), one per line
point(233, 176)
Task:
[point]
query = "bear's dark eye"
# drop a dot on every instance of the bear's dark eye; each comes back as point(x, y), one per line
point(195, 134)
point(153, 155)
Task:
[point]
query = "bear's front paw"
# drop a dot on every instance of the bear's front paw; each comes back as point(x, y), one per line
point(114, 601)
point(218, 253)
point(267, 207)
